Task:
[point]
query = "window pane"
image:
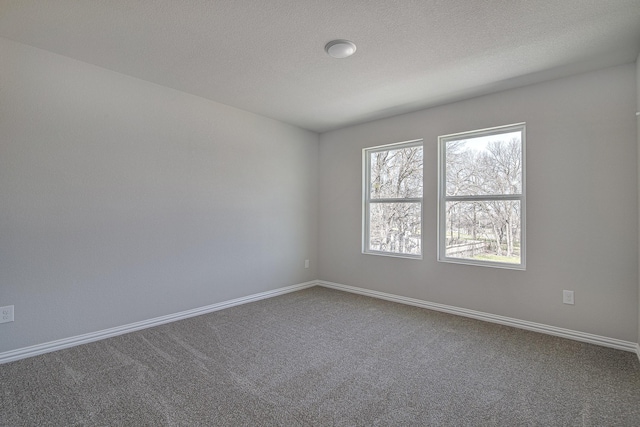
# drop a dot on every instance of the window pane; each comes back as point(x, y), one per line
point(484, 230)
point(396, 173)
point(484, 165)
point(395, 227)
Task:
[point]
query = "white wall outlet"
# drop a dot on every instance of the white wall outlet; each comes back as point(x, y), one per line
point(567, 297)
point(306, 263)
point(6, 314)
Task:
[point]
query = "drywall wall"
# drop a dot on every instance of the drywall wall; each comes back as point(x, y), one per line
point(121, 200)
point(638, 136)
point(582, 206)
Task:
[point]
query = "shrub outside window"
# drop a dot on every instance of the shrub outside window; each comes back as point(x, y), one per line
point(481, 206)
point(392, 211)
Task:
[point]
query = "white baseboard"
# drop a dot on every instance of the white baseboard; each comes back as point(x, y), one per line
point(508, 321)
point(22, 353)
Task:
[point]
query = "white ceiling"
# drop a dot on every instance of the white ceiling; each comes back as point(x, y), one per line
point(268, 56)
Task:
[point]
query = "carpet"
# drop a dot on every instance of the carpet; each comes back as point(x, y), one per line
point(321, 357)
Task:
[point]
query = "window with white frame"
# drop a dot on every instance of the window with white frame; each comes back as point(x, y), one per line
point(392, 212)
point(481, 206)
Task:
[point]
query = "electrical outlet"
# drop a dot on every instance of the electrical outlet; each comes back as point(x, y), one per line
point(306, 263)
point(6, 314)
point(567, 297)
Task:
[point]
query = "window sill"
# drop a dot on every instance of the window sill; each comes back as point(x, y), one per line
point(521, 267)
point(393, 255)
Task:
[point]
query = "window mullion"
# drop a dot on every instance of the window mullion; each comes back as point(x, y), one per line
point(471, 198)
point(407, 200)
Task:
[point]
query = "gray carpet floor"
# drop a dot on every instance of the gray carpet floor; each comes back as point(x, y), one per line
point(321, 357)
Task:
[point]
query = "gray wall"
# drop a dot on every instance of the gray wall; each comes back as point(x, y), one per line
point(122, 200)
point(638, 134)
point(582, 206)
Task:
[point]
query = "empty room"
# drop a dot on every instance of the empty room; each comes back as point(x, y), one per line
point(319, 213)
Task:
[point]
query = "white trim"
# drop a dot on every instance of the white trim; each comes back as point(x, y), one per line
point(23, 353)
point(493, 318)
point(34, 350)
point(395, 145)
point(484, 132)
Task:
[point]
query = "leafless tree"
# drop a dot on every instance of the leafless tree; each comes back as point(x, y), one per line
point(494, 170)
point(395, 224)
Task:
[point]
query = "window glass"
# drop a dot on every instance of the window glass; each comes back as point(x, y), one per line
point(482, 199)
point(393, 200)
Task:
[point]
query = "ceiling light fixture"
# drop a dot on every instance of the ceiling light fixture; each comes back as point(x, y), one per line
point(340, 48)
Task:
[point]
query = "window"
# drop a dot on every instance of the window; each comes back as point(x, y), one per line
point(481, 206)
point(393, 200)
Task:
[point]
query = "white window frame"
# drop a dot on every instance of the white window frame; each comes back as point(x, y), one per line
point(443, 198)
point(366, 199)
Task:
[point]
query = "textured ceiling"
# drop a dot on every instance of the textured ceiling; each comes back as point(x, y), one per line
point(267, 56)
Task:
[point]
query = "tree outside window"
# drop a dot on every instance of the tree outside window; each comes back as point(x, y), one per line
point(482, 197)
point(393, 199)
